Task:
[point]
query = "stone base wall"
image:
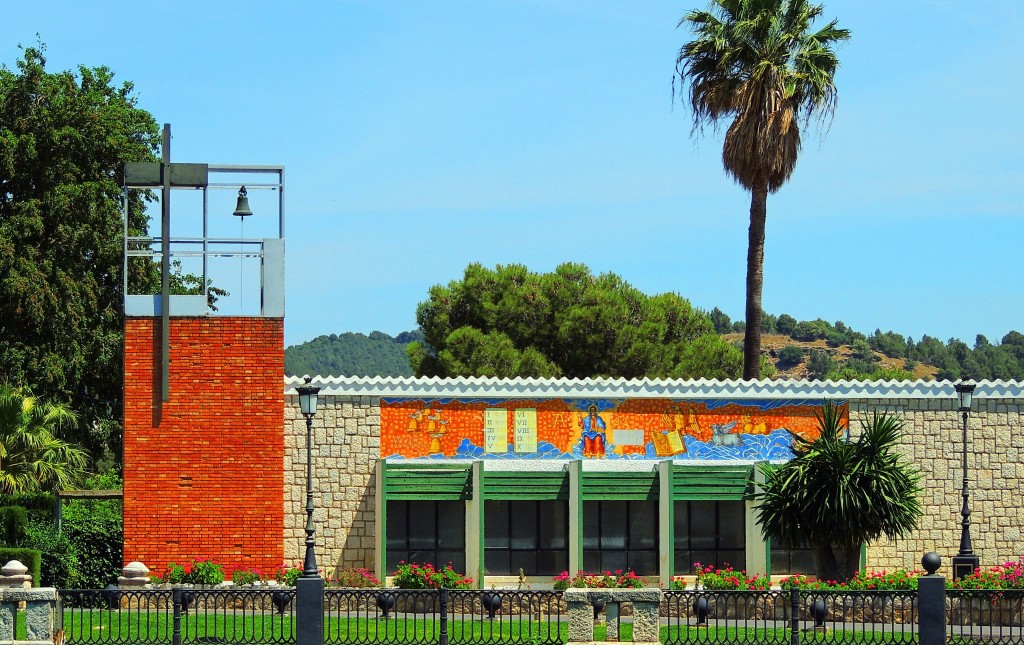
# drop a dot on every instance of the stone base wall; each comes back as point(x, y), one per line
point(933, 441)
point(346, 445)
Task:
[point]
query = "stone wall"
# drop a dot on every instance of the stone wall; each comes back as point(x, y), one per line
point(934, 443)
point(346, 445)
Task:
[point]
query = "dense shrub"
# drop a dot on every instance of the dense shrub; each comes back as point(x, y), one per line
point(13, 520)
point(95, 528)
point(59, 557)
point(790, 355)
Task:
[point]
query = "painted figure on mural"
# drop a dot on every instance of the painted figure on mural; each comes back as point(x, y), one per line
point(693, 426)
point(593, 436)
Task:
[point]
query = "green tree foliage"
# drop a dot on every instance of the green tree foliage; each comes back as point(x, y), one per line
point(33, 456)
point(819, 364)
point(836, 494)
point(761, 65)
point(785, 324)
point(510, 322)
point(351, 354)
point(64, 139)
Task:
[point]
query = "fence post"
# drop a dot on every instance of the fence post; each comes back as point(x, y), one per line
point(309, 611)
point(931, 602)
point(442, 637)
point(794, 616)
point(176, 612)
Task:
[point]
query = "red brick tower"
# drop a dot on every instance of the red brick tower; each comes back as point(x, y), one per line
point(203, 434)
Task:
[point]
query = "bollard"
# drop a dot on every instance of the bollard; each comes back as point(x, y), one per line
point(931, 602)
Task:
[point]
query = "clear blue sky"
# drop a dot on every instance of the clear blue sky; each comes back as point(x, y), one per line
point(421, 136)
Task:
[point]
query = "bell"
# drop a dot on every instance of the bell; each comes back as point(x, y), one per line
point(242, 208)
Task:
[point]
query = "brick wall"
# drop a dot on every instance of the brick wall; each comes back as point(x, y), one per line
point(202, 474)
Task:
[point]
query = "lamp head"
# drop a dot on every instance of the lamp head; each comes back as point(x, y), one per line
point(307, 397)
point(965, 390)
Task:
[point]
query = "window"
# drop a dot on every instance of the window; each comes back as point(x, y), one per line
point(426, 531)
point(710, 533)
point(528, 535)
point(799, 560)
point(621, 535)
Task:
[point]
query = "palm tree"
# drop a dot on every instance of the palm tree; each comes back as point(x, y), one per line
point(758, 63)
point(836, 494)
point(32, 456)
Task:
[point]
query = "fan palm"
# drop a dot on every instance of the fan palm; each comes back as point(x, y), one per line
point(836, 494)
point(32, 456)
point(759, 63)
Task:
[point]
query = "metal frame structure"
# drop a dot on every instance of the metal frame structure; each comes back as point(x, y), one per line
point(168, 176)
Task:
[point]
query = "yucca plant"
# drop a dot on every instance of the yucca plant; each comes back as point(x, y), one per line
point(836, 493)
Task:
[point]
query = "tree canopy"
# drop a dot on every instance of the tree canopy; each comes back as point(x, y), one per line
point(837, 493)
point(762, 65)
point(64, 140)
point(510, 322)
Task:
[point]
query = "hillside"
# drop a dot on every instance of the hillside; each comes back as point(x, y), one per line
point(351, 354)
point(811, 350)
point(773, 344)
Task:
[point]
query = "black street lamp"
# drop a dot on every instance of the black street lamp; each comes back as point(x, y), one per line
point(307, 405)
point(965, 562)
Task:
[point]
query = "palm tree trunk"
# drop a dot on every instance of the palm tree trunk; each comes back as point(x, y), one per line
point(755, 281)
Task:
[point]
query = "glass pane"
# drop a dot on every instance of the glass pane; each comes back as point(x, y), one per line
point(801, 561)
point(614, 525)
point(613, 561)
point(524, 525)
point(703, 529)
point(525, 560)
point(705, 558)
point(591, 525)
point(397, 527)
point(643, 525)
point(451, 527)
point(496, 562)
point(552, 563)
point(394, 557)
point(683, 563)
point(591, 561)
point(554, 525)
point(456, 558)
point(731, 525)
point(496, 525)
point(644, 563)
point(735, 557)
point(422, 525)
point(681, 525)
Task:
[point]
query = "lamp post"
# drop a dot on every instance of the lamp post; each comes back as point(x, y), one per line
point(307, 406)
point(309, 588)
point(965, 562)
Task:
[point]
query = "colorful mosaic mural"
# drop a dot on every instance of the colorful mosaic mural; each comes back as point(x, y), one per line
point(594, 429)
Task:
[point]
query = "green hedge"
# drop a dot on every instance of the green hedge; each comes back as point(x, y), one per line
point(13, 520)
point(31, 558)
point(40, 506)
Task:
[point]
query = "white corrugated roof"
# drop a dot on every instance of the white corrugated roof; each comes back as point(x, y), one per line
point(552, 388)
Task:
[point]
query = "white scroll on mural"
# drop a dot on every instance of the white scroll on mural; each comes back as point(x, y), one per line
point(525, 428)
point(495, 430)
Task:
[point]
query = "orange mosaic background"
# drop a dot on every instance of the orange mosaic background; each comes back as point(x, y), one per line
point(421, 428)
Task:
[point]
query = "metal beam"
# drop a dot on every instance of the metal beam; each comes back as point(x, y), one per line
point(165, 267)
